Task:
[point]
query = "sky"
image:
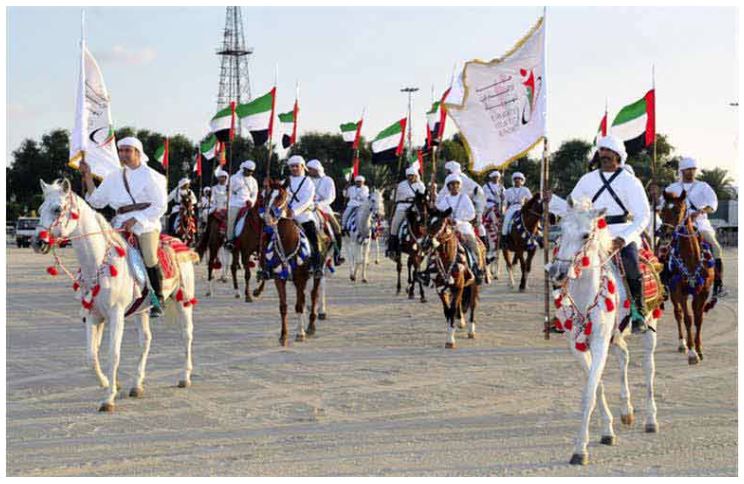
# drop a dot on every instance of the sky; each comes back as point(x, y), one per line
point(162, 72)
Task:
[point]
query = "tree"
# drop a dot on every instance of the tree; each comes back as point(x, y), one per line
point(720, 182)
point(569, 163)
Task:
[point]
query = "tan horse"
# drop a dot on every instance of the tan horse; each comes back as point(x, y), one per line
point(689, 273)
point(248, 244)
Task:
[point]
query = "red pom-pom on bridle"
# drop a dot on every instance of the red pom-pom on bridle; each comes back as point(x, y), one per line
point(52, 271)
point(602, 223)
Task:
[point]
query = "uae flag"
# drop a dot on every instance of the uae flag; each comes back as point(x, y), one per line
point(288, 121)
point(223, 123)
point(257, 117)
point(635, 124)
point(435, 119)
point(208, 147)
point(351, 131)
point(198, 164)
point(347, 173)
point(388, 144)
point(602, 131)
point(162, 154)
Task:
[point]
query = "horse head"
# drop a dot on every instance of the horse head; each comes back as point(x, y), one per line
point(532, 212)
point(58, 214)
point(277, 200)
point(417, 214)
point(438, 221)
point(673, 214)
point(581, 236)
point(376, 199)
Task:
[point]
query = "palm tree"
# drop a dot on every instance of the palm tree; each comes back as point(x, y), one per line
point(720, 182)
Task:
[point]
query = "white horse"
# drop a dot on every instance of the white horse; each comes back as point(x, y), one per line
point(588, 310)
point(360, 234)
point(107, 285)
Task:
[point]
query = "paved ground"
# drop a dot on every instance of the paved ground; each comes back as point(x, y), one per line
point(375, 393)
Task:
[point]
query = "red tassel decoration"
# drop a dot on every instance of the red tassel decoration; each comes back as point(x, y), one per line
point(74, 215)
point(44, 235)
point(120, 251)
point(96, 289)
point(568, 324)
point(602, 223)
point(585, 261)
point(251, 264)
point(609, 304)
point(52, 271)
point(558, 324)
point(194, 301)
point(581, 346)
point(113, 271)
point(555, 251)
point(87, 304)
point(187, 304)
point(179, 295)
point(626, 304)
point(588, 328)
point(558, 301)
point(75, 286)
point(657, 313)
point(610, 287)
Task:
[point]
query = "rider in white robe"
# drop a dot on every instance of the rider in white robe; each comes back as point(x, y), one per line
point(405, 194)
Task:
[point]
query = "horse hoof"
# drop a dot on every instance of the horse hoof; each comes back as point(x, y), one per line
point(208, 294)
point(255, 293)
point(607, 440)
point(700, 355)
point(184, 383)
point(283, 341)
point(522, 289)
point(322, 316)
point(471, 335)
point(248, 299)
point(377, 262)
point(423, 299)
point(652, 428)
point(310, 331)
point(136, 392)
point(352, 278)
point(300, 338)
point(461, 324)
point(579, 460)
point(627, 419)
point(693, 360)
point(411, 296)
point(106, 407)
point(364, 281)
point(449, 346)
point(681, 348)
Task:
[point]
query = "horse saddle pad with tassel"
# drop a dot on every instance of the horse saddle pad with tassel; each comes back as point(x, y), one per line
point(171, 251)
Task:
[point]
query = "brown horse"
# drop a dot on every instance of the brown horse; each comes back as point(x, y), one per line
point(212, 239)
point(186, 228)
point(247, 245)
point(288, 257)
point(454, 280)
point(688, 272)
point(523, 238)
point(416, 219)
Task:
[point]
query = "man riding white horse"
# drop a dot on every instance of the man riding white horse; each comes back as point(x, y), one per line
point(243, 193)
point(473, 191)
point(325, 195)
point(405, 194)
point(463, 212)
point(613, 188)
point(357, 194)
point(514, 197)
point(701, 201)
point(300, 207)
point(138, 194)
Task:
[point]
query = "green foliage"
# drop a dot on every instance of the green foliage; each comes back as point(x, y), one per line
point(720, 182)
point(569, 163)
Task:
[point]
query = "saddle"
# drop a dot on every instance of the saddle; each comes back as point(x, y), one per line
point(171, 251)
point(221, 216)
point(653, 288)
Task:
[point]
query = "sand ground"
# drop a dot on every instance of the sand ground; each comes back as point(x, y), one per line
point(374, 393)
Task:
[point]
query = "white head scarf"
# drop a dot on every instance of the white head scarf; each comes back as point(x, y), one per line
point(359, 178)
point(518, 174)
point(134, 143)
point(452, 177)
point(494, 174)
point(412, 171)
point(183, 182)
point(248, 164)
point(220, 172)
point(613, 143)
point(296, 160)
point(453, 166)
point(316, 165)
point(685, 164)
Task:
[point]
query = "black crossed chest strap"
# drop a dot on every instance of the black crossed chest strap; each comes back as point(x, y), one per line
point(607, 185)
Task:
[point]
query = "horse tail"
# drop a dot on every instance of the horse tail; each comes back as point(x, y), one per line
point(201, 246)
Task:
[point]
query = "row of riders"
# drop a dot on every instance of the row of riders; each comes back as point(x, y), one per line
point(596, 268)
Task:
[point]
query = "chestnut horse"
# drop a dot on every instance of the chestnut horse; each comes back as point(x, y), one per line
point(290, 252)
point(688, 270)
point(212, 239)
point(186, 226)
point(523, 238)
point(248, 244)
point(453, 279)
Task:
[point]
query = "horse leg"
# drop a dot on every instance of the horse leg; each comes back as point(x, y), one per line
point(593, 362)
point(246, 257)
point(420, 282)
point(399, 268)
point(365, 260)
point(449, 319)
point(116, 333)
point(698, 304)
point(322, 311)
point(377, 250)
point(234, 274)
point(649, 370)
point(300, 283)
point(314, 305)
point(692, 356)
point(523, 267)
point(281, 289)
point(679, 317)
point(509, 268)
point(145, 338)
point(527, 269)
point(210, 282)
point(411, 278)
point(620, 349)
point(457, 303)
point(473, 305)
point(94, 334)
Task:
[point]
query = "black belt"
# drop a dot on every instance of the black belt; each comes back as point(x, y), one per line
point(616, 219)
point(132, 208)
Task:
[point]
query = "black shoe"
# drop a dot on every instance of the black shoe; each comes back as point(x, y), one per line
point(338, 260)
point(157, 309)
point(638, 325)
point(263, 275)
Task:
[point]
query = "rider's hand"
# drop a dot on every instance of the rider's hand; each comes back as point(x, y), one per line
point(84, 169)
point(617, 244)
point(694, 215)
point(547, 194)
point(129, 224)
point(290, 213)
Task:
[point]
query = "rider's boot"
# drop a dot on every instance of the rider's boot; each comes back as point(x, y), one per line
point(638, 311)
point(156, 284)
point(338, 258)
point(392, 248)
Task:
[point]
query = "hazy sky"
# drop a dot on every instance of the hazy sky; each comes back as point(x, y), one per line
point(162, 73)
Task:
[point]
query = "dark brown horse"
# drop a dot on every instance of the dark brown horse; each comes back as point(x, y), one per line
point(247, 251)
point(523, 239)
point(416, 218)
point(212, 240)
point(454, 280)
point(186, 228)
point(688, 272)
point(292, 260)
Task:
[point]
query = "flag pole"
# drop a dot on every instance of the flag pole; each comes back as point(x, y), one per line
point(267, 178)
point(230, 152)
point(653, 163)
point(544, 182)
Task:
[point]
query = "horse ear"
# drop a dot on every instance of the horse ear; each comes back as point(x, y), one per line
point(599, 212)
point(66, 187)
point(570, 201)
point(44, 186)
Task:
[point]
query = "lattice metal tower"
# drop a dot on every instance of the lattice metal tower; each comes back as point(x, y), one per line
point(235, 82)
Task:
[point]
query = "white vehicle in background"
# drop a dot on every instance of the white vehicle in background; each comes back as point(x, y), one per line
point(25, 229)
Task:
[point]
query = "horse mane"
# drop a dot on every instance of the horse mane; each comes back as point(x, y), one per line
point(109, 233)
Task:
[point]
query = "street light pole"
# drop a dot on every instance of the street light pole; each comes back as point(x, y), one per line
point(409, 91)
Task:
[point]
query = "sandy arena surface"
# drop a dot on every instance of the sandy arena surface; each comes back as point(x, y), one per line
point(374, 393)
